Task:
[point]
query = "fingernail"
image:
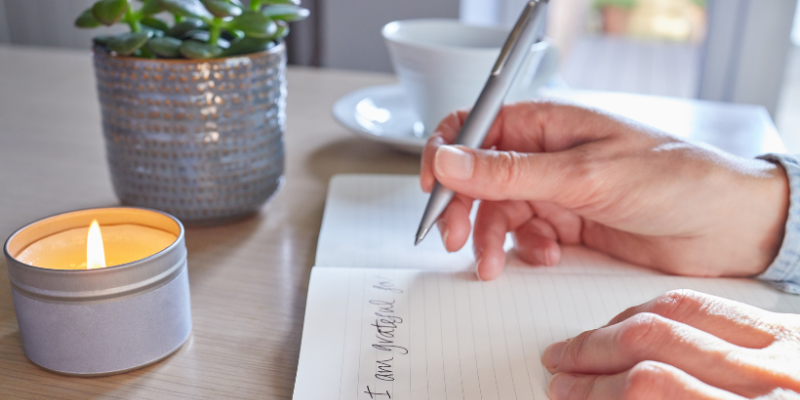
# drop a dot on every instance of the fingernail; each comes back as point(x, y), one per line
point(560, 385)
point(451, 162)
point(552, 355)
point(444, 231)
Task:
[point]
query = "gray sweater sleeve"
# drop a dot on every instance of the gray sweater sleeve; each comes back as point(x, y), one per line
point(784, 272)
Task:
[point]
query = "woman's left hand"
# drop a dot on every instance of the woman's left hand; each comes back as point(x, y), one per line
point(682, 345)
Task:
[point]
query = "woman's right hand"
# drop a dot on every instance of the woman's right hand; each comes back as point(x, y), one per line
point(556, 174)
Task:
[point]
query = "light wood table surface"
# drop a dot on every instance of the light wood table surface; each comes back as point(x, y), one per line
point(248, 279)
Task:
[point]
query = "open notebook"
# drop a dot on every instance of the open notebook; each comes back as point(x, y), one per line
point(387, 320)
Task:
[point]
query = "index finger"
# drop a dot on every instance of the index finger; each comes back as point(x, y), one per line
point(527, 127)
point(734, 322)
point(650, 337)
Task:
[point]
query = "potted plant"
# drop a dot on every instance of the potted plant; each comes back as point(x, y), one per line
point(615, 15)
point(193, 109)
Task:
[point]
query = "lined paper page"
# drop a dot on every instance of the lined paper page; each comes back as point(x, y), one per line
point(370, 221)
point(412, 334)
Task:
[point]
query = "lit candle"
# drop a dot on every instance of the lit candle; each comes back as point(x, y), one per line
point(120, 244)
point(100, 291)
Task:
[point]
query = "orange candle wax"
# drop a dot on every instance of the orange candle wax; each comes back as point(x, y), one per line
point(122, 243)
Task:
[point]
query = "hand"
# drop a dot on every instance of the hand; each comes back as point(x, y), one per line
point(682, 345)
point(557, 174)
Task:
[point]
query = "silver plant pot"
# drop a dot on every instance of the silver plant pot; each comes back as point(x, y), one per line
point(199, 139)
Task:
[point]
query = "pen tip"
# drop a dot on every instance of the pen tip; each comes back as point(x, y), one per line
point(420, 235)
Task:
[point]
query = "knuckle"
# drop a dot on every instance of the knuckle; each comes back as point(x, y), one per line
point(641, 333)
point(507, 168)
point(585, 166)
point(588, 171)
point(785, 328)
point(678, 303)
point(649, 380)
point(576, 352)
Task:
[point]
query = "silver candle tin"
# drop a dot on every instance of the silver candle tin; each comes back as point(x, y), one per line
point(101, 321)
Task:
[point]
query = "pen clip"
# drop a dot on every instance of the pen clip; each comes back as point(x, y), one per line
point(514, 36)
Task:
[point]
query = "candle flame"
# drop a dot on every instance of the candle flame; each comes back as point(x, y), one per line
point(95, 255)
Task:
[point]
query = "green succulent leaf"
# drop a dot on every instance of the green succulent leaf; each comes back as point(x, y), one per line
point(222, 9)
point(166, 47)
point(182, 29)
point(293, 2)
point(196, 50)
point(254, 24)
point(187, 8)
point(248, 45)
point(144, 53)
point(232, 35)
point(101, 40)
point(108, 12)
point(283, 30)
point(153, 31)
point(151, 7)
point(205, 36)
point(87, 20)
point(235, 29)
point(127, 43)
point(155, 23)
point(285, 12)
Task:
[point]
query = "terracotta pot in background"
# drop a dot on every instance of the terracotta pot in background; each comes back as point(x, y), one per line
point(615, 20)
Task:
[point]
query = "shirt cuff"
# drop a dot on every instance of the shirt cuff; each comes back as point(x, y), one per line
point(784, 272)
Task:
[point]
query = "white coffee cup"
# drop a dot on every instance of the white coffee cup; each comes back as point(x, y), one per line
point(443, 64)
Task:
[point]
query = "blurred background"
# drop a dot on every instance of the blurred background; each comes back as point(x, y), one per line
point(743, 51)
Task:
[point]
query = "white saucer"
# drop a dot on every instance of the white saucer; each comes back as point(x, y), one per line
point(383, 114)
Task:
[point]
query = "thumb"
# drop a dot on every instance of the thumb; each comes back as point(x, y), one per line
point(506, 175)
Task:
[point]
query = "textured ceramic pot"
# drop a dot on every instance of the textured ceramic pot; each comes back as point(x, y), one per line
point(199, 139)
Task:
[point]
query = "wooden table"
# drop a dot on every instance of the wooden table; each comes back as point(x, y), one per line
point(248, 279)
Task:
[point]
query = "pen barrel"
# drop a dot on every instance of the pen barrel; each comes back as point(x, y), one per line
point(513, 55)
point(440, 198)
point(480, 119)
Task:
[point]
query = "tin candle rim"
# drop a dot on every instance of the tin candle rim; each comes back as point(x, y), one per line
point(85, 284)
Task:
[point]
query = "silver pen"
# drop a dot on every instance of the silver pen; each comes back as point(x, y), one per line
point(483, 114)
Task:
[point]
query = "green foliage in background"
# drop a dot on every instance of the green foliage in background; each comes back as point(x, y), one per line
point(201, 28)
